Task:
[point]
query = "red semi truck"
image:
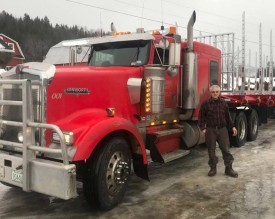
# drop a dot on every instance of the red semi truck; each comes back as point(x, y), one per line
point(136, 99)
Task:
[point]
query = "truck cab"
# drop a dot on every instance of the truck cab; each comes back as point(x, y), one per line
point(135, 100)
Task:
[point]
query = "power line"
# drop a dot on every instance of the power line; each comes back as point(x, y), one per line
point(131, 15)
point(205, 12)
point(114, 11)
point(149, 9)
point(170, 14)
point(149, 19)
point(184, 6)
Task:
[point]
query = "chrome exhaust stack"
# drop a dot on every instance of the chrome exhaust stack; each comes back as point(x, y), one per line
point(189, 82)
point(190, 25)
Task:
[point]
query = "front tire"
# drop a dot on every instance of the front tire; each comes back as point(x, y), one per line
point(108, 174)
point(241, 125)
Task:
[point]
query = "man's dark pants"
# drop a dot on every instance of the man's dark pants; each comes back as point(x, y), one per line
point(219, 135)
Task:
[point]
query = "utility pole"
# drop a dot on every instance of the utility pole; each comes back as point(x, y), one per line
point(249, 70)
point(243, 54)
point(264, 72)
point(260, 61)
point(237, 72)
point(256, 74)
point(270, 87)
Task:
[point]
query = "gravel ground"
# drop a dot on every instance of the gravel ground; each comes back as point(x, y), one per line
point(179, 189)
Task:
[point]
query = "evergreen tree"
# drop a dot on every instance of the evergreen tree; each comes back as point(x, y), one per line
point(36, 36)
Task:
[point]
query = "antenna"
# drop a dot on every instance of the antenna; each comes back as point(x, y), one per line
point(100, 24)
point(142, 13)
point(113, 28)
point(162, 26)
point(176, 24)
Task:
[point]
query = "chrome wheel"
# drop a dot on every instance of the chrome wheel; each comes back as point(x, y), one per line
point(252, 125)
point(241, 125)
point(118, 172)
point(242, 129)
point(108, 173)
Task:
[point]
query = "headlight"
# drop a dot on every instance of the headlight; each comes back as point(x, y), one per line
point(69, 138)
point(20, 136)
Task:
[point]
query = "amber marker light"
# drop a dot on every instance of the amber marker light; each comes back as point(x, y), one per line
point(155, 32)
point(164, 122)
point(175, 120)
point(172, 30)
point(121, 33)
point(152, 123)
point(148, 95)
point(111, 111)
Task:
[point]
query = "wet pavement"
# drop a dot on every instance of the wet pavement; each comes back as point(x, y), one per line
point(179, 189)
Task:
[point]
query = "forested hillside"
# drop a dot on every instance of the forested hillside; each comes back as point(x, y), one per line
point(36, 36)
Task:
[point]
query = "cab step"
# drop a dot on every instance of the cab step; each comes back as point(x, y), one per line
point(174, 155)
point(165, 145)
point(169, 156)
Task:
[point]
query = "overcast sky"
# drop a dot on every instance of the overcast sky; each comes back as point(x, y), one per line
point(213, 16)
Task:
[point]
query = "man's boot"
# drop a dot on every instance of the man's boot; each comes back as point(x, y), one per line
point(212, 171)
point(230, 172)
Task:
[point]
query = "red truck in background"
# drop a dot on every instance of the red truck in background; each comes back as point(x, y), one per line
point(137, 98)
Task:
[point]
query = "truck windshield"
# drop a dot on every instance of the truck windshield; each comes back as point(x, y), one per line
point(126, 53)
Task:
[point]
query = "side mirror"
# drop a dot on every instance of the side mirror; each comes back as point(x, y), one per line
point(174, 58)
point(174, 54)
point(164, 44)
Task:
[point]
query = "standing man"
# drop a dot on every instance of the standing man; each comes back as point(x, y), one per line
point(214, 119)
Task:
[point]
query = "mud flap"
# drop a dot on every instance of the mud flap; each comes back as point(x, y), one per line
point(140, 168)
point(154, 152)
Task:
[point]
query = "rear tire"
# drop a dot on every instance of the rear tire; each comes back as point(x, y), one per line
point(252, 126)
point(107, 176)
point(241, 125)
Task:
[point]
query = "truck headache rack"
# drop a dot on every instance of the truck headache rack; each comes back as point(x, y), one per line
point(26, 170)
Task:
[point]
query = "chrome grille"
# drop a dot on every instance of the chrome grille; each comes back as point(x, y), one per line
point(14, 113)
